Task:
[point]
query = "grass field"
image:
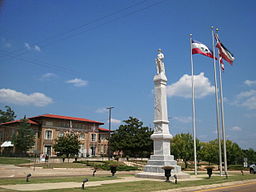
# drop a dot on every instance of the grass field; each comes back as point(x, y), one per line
point(54, 179)
point(13, 160)
point(150, 186)
point(143, 186)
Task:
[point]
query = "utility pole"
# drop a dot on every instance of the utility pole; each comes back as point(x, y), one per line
point(109, 130)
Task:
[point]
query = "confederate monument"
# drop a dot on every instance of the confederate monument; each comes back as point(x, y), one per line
point(161, 135)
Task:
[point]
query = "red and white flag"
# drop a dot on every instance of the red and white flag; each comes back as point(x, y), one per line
point(200, 48)
point(221, 63)
point(224, 53)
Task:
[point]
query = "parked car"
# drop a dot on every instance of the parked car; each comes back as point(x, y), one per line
point(252, 168)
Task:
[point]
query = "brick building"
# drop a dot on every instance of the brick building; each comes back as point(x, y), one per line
point(48, 127)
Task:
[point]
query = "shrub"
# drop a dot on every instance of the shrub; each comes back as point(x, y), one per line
point(105, 165)
point(236, 167)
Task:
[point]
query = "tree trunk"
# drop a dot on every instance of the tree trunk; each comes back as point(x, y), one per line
point(186, 164)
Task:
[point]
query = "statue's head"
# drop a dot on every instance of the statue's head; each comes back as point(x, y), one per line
point(159, 50)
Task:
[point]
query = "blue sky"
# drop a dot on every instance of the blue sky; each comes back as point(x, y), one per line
point(77, 58)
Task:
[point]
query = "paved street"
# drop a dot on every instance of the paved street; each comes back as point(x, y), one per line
point(243, 187)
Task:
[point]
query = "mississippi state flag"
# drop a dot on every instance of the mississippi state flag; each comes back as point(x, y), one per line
point(199, 48)
point(223, 51)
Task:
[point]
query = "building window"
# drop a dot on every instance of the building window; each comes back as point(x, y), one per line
point(1, 136)
point(82, 151)
point(102, 149)
point(93, 137)
point(48, 150)
point(48, 134)
point(102, 137)
point(81, 136)
point(61, 134)
point(105, 149)
point(93, 150)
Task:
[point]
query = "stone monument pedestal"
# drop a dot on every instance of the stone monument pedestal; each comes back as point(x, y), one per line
point(161, 135)
point(160, 159)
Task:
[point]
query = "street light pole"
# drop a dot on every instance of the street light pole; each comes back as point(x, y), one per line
point(109, 130)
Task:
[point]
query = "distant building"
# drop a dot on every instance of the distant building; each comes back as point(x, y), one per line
point(49, 127)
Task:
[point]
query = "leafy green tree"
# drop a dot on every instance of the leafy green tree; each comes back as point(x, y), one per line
point(132, 138)
point(234, 153)
point(8, 115)
point(67, 145)
point(209, 152)
point(250, 154)
point(24, 139)
point(182, 146)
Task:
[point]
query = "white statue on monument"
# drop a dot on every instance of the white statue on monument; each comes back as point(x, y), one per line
point(161, 137)
point(160, 62)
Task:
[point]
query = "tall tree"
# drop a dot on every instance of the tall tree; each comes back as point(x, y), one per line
point(67, 145)
point(234, 153)
point(8, 115)
point(132, 138)
point(23, 140)
point(250, 154)
point(182, 146)
point(209, 152)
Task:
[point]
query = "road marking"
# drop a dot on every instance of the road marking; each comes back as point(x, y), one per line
point(237, 185)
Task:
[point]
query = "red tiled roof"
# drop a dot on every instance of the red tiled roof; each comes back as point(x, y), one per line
point(67, 118)
point(103, 129)
point(17, 121)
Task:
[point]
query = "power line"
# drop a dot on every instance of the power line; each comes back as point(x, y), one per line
point(115, 19)
point(57, 36)
point(44, 64)
point(16, 57)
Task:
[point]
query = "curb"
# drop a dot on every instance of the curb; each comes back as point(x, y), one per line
point(201, 187)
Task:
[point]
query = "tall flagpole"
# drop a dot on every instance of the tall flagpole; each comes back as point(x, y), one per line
point(222, 117)
point(217, 103)
point(193, 104)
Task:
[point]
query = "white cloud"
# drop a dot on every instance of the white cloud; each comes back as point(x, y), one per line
point(37, 48)
point(245, 94)
point(183, 119)
point(235, 128)
point(19, 98)
point(115, 121)
point(249, 82)
point(48, 76)
point(78, 82)
point(182, 88)
point(101, 110)
point(30, 47)
point(27, 46)
point(246, 99)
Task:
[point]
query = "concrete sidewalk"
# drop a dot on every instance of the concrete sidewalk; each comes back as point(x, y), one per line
point(12, 171)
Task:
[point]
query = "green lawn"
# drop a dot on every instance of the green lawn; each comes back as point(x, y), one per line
point(54, 179)
point(147, 186)
point(13, 160)
point(5, 190)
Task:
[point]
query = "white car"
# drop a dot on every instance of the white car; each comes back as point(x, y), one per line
point(252, 168)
